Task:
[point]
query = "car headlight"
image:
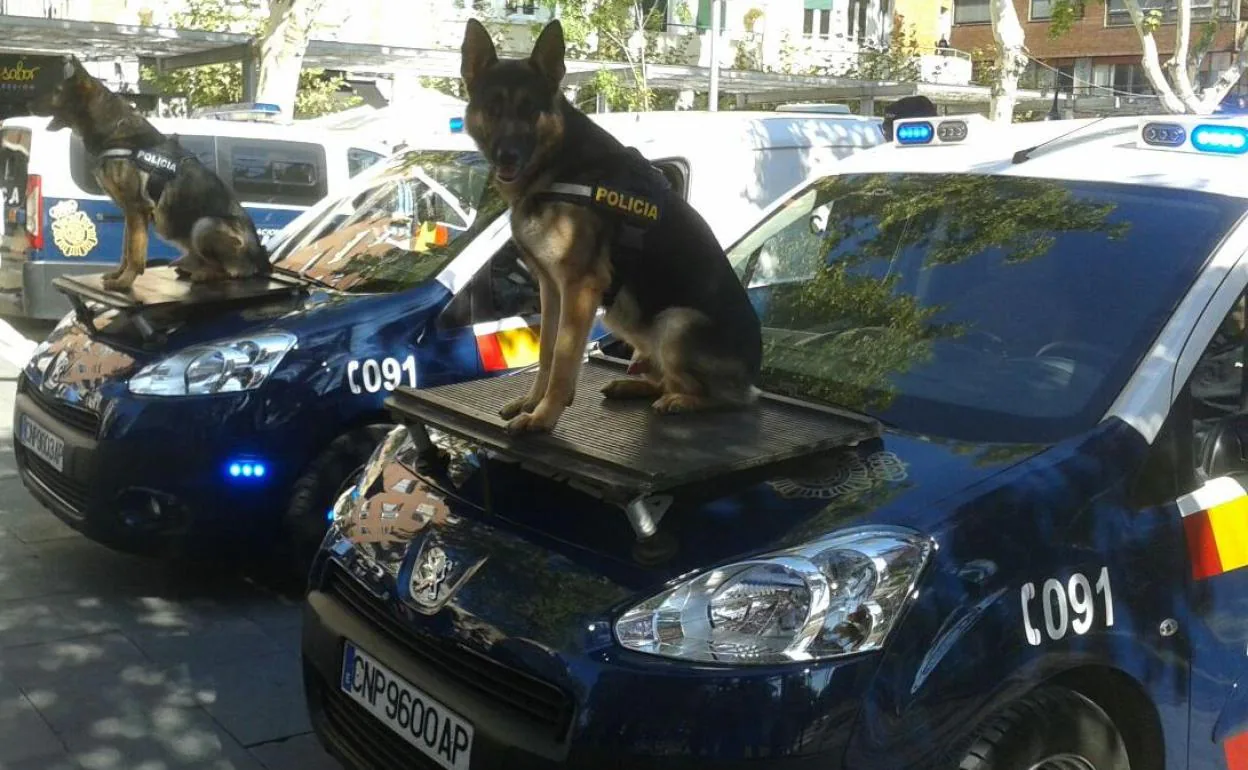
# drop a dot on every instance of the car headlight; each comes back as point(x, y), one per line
point(837, 596)
point(228, 366)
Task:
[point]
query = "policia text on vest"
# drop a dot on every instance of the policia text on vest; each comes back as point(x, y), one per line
point(626, 204)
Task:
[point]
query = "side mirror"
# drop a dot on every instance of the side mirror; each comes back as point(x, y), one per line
point(1224, 449)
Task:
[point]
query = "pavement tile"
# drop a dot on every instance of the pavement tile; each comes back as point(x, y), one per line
point(257, 699)
point(196, 747)
point(31, 621)
point(24, 735)
point(79, 661)
point(47, 762)
point(302, 752)
point(201, 642)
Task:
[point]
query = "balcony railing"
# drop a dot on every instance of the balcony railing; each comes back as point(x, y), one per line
point(47, 9)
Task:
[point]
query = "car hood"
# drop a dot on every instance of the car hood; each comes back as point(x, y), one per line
point(547, 561)
point(85, 367)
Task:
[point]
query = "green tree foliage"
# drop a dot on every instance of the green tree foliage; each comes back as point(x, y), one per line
point(854, 332)
point(223, 83)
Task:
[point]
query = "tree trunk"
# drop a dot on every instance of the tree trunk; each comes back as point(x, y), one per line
point(281, 48)
point(1179, 68)
point(1227, 79)
point(1011, 59)
point(1151, 61)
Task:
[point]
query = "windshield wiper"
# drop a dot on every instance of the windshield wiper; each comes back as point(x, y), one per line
point(302, 277)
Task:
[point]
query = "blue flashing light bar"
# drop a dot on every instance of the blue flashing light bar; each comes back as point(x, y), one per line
point(915, 133)
point(1224, 140)
point(248, 469)
point(457, 125)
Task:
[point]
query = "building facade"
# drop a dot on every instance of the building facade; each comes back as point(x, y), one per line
point(1100, 54)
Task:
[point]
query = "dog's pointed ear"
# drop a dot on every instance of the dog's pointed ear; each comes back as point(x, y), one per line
point(477, 54)
point(547, 56)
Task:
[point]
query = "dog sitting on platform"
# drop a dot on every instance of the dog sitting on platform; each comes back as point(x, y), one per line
point(597, 226)
point(153, 179)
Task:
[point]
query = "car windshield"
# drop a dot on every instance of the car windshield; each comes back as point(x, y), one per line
point(980, 308)
point(399, 228)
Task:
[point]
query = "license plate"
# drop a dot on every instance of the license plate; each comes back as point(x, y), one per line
point(439, 733)
point(46, 445)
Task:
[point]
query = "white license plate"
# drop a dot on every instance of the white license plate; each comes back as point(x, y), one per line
point(441, 734)
point(46, 445)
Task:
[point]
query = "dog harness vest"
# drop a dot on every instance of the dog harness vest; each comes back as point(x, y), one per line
point(632, 190)
point(160, 165)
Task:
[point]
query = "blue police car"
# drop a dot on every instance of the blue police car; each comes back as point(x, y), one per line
point(177, 419)
point(990, 513)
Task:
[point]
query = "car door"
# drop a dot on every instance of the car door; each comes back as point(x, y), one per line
point(493, 325)
point(1208, 424)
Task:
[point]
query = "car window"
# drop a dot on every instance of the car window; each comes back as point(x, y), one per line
point(402, 227)
point(81, 164)
point(268, 171)
point(358, 160)
point(975, 307)
point(1217, 383)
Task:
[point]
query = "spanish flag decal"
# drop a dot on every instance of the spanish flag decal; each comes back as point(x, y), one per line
point(1237, 752)
point(1215, 522)
point(508, 344)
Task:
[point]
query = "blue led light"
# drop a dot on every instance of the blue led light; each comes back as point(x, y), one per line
point(246, 469)
point(1225, 140)
point(915, 133)
point(457, 125)
point(330, 516)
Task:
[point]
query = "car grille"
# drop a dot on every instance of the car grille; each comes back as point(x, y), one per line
point(72, 492)
point(365, 737)
point(75, 417)
point(537, 701)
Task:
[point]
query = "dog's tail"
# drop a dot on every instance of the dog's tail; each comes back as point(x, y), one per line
point(257, 254)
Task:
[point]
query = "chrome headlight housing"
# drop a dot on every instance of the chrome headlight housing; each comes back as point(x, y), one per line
point(836, 596)
point(228, 366)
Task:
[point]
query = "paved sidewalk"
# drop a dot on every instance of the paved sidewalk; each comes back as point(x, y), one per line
point(109, 662)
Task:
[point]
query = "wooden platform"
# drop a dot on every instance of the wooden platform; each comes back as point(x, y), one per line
point(621, 450)
point(161, 286)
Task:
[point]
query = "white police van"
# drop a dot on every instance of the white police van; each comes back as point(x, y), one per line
point(57, 221)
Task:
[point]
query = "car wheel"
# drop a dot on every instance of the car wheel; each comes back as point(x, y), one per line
point(326, 478)
point(1051, 729)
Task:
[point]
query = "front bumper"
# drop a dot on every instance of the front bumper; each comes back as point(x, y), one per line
point(621, 711)
point(106, 485)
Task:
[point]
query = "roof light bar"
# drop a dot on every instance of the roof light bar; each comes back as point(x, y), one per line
point(1204, 135)
point(921, 132)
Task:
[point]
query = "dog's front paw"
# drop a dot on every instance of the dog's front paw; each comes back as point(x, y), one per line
point(120, 282)
point(530, 422)
point(526, 404)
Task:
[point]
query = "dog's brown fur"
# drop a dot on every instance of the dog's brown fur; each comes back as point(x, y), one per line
point(688, 319)
point(195, 212)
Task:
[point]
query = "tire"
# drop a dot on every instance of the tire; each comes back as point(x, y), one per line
point(317, 489)
point(1052, 728)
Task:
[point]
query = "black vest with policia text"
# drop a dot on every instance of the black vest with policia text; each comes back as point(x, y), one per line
point(633, 192)
point(161, 163)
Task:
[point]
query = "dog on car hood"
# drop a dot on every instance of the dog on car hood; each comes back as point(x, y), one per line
point(154, 179)
point(597, 225)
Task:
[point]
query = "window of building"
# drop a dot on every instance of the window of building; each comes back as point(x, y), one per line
point(1122, 78)
point(817, 19)
point(522, 7)
point(971, 12)
point(1041, 10)
point(1116, 14)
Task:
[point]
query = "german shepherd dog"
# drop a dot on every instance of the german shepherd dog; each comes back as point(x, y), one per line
point(190, 205)
point(677, 302)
